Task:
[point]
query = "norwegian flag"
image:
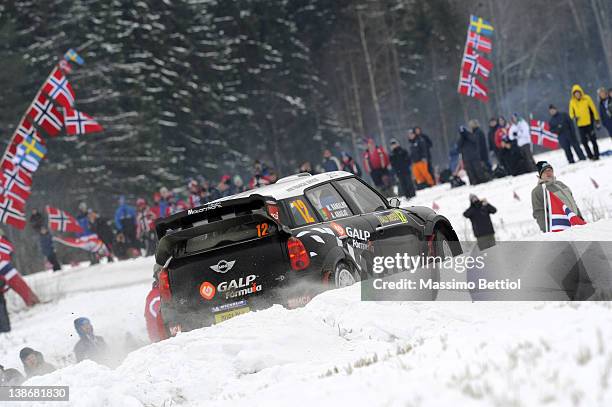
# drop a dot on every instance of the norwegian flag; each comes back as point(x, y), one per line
point(16, 184)
point(560, 216)
point(62, 221)
point(6, 249)
point(541, 134)
point(474, 64)
point(80, 123)
point(90, 243)
point(44, 114)
point(479, 42)
point(470, 86)
point(59, 89)
point(24, 131)
point(12, 212)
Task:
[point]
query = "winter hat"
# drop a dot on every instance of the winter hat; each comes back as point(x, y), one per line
point(393, 141)
point(25, 352)
point(473, 198)
point(83, 206)
point(551, 106)
point(542, 166)
point(78, 324)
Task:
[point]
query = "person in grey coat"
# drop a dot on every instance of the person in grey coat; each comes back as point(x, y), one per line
point(547, 177)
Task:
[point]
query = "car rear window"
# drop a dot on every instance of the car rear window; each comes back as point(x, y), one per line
point(226, 234)
point(328, 202)
point(301, 212)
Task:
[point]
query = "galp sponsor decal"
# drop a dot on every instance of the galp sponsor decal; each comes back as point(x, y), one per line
point(239, 287)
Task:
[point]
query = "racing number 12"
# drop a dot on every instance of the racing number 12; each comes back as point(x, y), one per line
point(303, 210)
point(262, 230)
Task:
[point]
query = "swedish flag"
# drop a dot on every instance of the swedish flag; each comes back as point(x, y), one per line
point(480, 26)
point(71, 55)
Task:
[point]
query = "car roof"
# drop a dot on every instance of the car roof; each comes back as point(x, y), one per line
point(290, 186)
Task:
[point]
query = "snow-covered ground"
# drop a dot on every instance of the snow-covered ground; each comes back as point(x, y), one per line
point(339, 350)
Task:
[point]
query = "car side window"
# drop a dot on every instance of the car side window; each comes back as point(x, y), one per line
point(366, 200)
point(328, 202)
point(300, 211)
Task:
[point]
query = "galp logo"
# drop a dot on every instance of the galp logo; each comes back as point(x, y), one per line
point(207, 290)
point(223, 266)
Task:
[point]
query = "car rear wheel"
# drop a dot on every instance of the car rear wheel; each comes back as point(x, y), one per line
point(344, 275)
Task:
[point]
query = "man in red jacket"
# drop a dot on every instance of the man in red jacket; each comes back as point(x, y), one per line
point(153, 317)
point(10, 278)
point(376, 164)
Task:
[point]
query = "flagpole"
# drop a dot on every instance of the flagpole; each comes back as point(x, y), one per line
point(467, 37)
point(545, 208)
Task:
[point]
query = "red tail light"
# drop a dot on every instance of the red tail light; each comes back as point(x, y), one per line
point(164, 285)
point(298, 256)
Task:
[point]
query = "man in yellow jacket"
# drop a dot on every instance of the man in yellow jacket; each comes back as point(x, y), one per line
point(582, 109)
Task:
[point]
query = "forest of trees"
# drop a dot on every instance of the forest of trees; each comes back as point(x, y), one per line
point(205, 87)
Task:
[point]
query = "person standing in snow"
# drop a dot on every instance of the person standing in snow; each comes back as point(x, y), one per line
point(145, 218)
point(561, 124)
point(47, 248)
point(376, 164)
point(546, 176)
point(349, 164)
point(582, 109)
point(418, 156)
point(10, 278)
point(429, 146)
point(470, 152)
point(520, 132)
point(82, 220)
point(34, 363)
point(102, 227)
point(401, 164)
point(125, 221)
point(89, 345)
point(494, 146)
point(153, 317)
point(483, 151)
point(605, 108)
point(330, 162)
point(36, 220)
point(479, 213)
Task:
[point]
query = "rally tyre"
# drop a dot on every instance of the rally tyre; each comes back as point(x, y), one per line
point(344, 275)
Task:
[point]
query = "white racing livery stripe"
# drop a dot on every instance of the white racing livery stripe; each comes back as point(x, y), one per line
point(317, 238)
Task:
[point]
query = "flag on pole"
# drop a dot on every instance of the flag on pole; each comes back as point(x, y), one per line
point(61, 221)
point(29, 154)
point(16, 184)
point(474, 64)
point(44, 114)
point(541, 134)
point(470, 86)
point(90, 243)
point(6, 249)
point(59, 89)
point(560, 216)
point(480, 26)
point(12, 212)
point(80, 123)
point(72, 56)
point(479, 42)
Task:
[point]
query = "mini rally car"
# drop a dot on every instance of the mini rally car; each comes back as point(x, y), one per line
point(283, 244)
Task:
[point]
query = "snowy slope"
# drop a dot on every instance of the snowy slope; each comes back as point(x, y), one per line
point(339, 350)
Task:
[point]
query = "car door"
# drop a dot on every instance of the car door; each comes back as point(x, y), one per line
point(395, 231)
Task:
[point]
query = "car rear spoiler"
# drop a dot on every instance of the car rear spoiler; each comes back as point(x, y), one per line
point(211, 211)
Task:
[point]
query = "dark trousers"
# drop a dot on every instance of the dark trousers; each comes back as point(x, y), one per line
point(587, 133)
point(528, 156)
point(566, 144)
point(53, 260)
point(484, 242)
point(476, 171)
point(406, 185)
point(5, 322)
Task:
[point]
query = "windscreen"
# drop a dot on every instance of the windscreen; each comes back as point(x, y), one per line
point(227, 233)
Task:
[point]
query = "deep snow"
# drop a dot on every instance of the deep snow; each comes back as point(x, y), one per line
point(339, 350)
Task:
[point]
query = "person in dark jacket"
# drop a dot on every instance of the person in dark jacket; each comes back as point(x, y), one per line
point(125, 221)
point(561, 124)
point(89, 345)
point(418, 156)
point(482, 142)
point(479, 213)
point(330, 162)
point(45, 240)
point(349, 164)
point(470, 152)
point(429, 145)
point(101, 226)
point(493, 147)
point(36, 220)
point(34, 363)
point(605, 108)
point(513, 160)
point(401, 164)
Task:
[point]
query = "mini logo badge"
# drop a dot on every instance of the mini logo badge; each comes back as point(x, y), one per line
point(207, 290)
point(223, 266)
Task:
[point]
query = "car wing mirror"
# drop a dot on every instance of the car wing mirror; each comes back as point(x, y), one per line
point(394, 202)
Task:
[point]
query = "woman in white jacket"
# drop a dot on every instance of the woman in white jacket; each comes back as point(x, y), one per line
point(519, 131)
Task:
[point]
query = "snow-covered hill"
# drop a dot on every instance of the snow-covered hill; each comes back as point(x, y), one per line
point(339, 350)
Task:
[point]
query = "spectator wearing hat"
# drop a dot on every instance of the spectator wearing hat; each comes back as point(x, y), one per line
point(89, 346)
point(418, 156)
point(561, 124)
point(546, 176)
point(34, 363)
point(401, 164)
point(582, 109)
point(479, 213)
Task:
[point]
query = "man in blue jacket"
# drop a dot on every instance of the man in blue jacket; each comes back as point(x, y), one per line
point(125, 221)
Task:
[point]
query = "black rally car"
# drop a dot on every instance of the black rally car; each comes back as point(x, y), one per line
point(284, 243)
